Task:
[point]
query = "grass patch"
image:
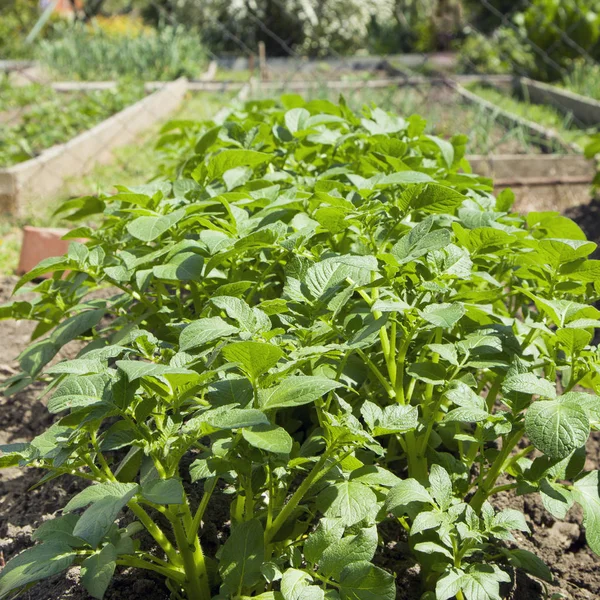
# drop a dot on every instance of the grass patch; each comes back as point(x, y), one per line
point(233, 75)
point(584, 79)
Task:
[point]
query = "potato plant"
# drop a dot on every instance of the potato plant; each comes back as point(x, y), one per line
point(323, 321)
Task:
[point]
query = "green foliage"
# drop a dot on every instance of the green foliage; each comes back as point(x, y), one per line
point(488, 16)
point(51, 118)
point(92, 54)
point(17, 97)
point(408, 31)
point(302, 27)
point(584, 78)
point(17, 19)
point(541, 39)
point(501, 52)
point(323, 322)
point(561, 30)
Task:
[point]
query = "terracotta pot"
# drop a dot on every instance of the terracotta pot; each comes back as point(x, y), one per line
point(40, 243)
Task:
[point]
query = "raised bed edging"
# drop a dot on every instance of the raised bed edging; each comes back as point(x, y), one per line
point(306, 64)
point(15, 65)
point(149, 86)
point(38, 179)
point(534, 129)
point(540, 182)
point(585, 110)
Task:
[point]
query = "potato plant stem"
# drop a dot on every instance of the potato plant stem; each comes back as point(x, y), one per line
point(430, 423)
point(493, 393)
point(295, 499)
point(318, 471)
point(485, 489)
point(209, 488)
point(138, 563)
point(156, 532)
point(400, 360)
point(375, 370)
point(388, 347)
point(435, 358)
point(196, 577)
point(417, 465)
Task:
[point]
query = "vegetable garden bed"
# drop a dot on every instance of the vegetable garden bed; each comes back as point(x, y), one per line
point(34, 117)
point(585, 110)
point(319, 361)
point(559, 126)
point(41, 177)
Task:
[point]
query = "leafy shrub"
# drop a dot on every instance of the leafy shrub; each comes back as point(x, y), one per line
point(17, 18)
point(504, 51)
point(541, 41)
point(487, 16)
point(323, 323)
point(561, 30)
point(309, 27)
point(100, 54)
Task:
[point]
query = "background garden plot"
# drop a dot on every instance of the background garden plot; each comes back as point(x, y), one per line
point(219, 46)
point(35, 117)
point(131, 164)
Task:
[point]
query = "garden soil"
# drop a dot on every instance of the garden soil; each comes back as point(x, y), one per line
point(587, 216)
point(560, 543)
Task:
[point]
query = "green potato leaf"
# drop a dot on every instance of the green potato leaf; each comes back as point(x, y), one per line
point(98, 570)
point(242, 557)
point(254, 358)
point(557, 428)
point(269, 438)
point(296, 390)
point(35, 563)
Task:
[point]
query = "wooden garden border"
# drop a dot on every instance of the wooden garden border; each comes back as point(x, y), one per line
point(585, 110)
point(149, 86)
point(534, 129)
point(42, 177)
point(539, 181)
point(15, 65)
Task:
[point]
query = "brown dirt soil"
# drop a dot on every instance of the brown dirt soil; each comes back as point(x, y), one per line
point(560, 544)
point(587, 216)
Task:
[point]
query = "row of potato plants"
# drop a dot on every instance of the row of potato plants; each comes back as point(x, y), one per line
point(323, 321)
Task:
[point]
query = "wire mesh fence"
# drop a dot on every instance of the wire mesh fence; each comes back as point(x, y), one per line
point(407, 56)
